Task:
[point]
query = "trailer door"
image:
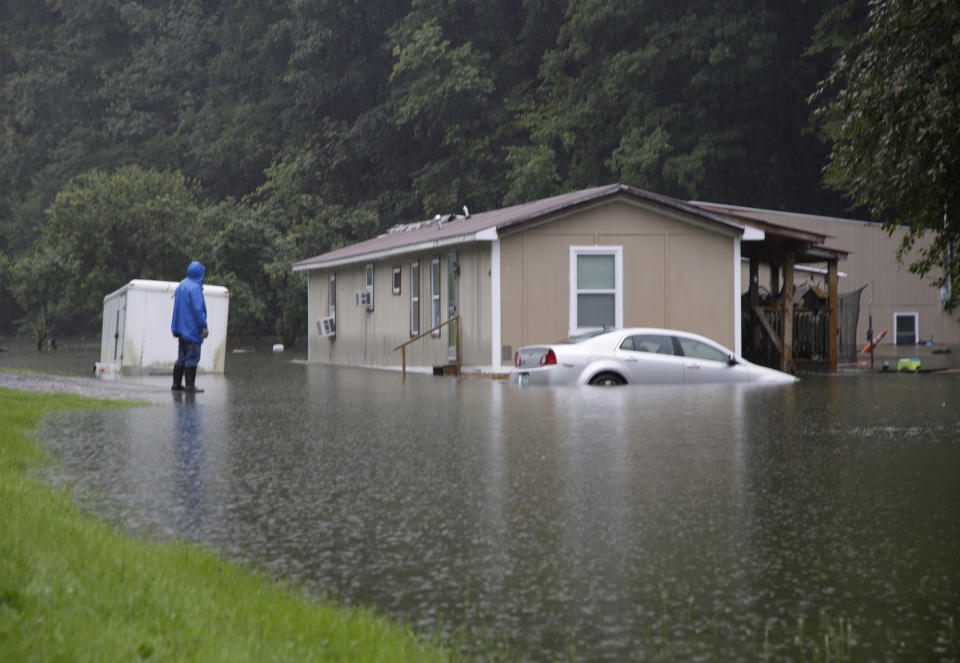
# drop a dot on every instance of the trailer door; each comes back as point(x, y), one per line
point(119, 325)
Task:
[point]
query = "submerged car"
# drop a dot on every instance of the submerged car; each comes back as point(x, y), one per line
point(637, 356)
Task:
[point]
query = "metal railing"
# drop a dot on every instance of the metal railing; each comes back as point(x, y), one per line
point(403, 346)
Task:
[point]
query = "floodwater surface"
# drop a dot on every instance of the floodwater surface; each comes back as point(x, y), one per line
point(722, 522)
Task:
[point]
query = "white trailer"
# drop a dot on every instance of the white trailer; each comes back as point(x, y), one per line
point(136, 334)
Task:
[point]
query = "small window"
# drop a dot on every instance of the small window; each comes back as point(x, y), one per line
point(697, 350)
point(332, 296)
point(596, 287)
point(905, 329)
point(396, 280)
point(435, 295)
point(415, 298)
point(368, 269)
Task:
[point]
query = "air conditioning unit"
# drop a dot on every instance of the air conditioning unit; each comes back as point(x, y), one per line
point(327, 327)
point(365, 298)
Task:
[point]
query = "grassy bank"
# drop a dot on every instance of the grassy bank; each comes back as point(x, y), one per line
point(72, 588)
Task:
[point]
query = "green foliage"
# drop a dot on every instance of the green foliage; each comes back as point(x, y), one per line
point(113, 227)
point(686, 99)
point(432, 82)
point(37, 284)
point(891, 106)
point(298, 126)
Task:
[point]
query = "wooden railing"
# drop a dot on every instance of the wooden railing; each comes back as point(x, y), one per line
point(403, 346)
point(810, 331)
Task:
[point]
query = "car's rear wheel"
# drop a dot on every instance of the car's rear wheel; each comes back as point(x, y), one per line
point(607, 380)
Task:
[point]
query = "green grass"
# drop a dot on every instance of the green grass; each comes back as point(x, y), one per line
point(74, 589)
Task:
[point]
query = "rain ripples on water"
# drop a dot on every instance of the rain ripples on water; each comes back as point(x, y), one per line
point(604, 524)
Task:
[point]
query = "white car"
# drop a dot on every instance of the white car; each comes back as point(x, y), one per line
point(637, 356)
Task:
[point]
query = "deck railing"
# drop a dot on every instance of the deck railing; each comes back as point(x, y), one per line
point(403, 346)
point(810, 332)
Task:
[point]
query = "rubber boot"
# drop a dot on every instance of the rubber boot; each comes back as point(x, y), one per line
point(177, 378)
point(190, 374)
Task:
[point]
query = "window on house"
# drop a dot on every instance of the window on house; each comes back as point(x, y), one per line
point(435, 295)
point(396, 280)
point(332, 296)
point(905, 329)
point(596, 287)
point(369, 285)
point(414, 298)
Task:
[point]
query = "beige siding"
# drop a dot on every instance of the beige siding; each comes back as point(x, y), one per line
point(368, 338)
point(675, 274)
point(700, 292)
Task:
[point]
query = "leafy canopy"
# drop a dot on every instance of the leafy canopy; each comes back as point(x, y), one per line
point(891, 106)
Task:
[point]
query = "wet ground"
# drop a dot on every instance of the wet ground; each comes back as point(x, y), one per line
point(600, 524)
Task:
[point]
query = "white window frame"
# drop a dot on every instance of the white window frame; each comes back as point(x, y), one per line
point(916, 325)
point(617, 253)
point(332, 296)
point(435, 287)
point(368, 279)
point(414, 298)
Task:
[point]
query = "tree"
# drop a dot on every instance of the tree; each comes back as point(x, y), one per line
point(692, 99)
point(251, 245)
point(290, 206)
point(37, 283)
point(113, 227)
point(891, 107)
point(440, 95)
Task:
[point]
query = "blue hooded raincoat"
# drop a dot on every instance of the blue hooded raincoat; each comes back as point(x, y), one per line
point(189, 307)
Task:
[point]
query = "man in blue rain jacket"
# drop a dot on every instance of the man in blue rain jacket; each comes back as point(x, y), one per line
point(189, 325)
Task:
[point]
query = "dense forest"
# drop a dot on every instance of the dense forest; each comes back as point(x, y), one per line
point(140, 134)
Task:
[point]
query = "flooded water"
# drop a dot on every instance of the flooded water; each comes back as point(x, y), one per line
point(569, 523)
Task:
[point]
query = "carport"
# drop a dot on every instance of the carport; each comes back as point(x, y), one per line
point(777, 331)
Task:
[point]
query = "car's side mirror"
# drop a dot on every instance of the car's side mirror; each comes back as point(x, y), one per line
point(731, 360)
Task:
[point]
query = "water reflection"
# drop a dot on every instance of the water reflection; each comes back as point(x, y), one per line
point(533, 514)
point(189, 443)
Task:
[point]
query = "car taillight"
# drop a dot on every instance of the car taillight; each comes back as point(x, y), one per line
point(549, 358)
point(516, 360)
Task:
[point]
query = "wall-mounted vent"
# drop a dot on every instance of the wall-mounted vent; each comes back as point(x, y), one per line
point(364, 298)
point(327, 327)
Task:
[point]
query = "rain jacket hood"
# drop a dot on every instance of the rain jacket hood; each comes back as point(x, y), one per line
point(196, 271)
point(189, 306)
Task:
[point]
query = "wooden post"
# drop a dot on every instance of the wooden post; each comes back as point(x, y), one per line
point(833, 301)
point(786, 357)
point(458, 345)
point(403, 355)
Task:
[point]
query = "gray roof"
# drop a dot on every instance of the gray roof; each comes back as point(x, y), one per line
point(455, 229)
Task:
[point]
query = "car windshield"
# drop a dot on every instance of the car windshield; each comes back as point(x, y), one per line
point(586, 336)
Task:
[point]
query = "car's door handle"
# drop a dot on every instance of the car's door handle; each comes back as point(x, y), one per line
point(632, 360)
point(693, 366)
